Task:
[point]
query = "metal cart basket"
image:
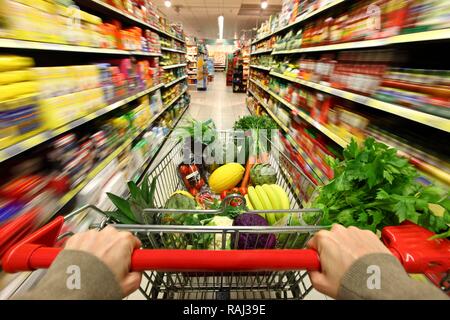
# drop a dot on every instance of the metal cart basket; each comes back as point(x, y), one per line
point(179, 266)
point(233, 284)
point(215, 283)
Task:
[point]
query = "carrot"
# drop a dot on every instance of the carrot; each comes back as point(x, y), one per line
point(248, 167)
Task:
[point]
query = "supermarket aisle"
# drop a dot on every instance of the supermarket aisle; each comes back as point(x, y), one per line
point(218, 103)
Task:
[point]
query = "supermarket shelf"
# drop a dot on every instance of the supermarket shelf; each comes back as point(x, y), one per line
point(105, 8)
point(317, 172)
point(174, 81)
point(172, 50)
point(36, 140)
point(417, 116)
point(301, 19)
point(439, 174)
point(102, 165)
point(34, 45)
point(266, 107)
point(339, 46)
point(137, 177)
point(145, 54)
point(434, 35)
point(250, 111)
point(25, 276)
point(174, 66)
point(307, 118)
point(260, 67)
point(261, 52)
point(176, 99)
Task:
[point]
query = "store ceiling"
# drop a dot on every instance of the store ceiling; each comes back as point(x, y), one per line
point(199, 17)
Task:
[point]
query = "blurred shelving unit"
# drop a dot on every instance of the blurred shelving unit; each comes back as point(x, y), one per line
point(140, 107)
point(192, 54)
point(292, 61)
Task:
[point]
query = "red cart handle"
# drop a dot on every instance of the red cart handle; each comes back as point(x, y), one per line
point(31, 257)
point(36, 252)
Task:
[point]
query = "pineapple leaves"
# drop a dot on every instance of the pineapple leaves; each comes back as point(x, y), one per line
point(151, 196)
point(136, 194)
point(145, 189)
point(131, 210)
point(123, 206)
point(120, 218)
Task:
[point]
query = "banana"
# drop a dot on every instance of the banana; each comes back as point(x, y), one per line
point(266, 203)
point(248, 202)
point(282, 196)
point(273, 197)
point(282, 199)
point(256, 202)
point(276, 204)
point(263, 197)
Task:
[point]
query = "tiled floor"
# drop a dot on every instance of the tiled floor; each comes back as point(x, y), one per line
point(224, 107)
point(218, 103)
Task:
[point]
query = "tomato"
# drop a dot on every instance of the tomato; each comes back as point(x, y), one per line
point(236, 202)
point(241, 191)
point(193, 191)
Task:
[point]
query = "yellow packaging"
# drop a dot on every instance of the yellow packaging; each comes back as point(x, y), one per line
point(42, 5)
point(11, 133)
point(10, 91)
point(90, 18)
point(10, 62)
point(17, 76)
point(57, 111)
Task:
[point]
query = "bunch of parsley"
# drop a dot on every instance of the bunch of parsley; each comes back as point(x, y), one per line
point(261, 128)
point(373, 188)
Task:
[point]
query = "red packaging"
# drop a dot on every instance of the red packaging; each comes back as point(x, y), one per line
point(193, 180)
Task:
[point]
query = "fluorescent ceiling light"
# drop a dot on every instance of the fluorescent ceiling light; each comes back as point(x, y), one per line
point(167, 3)
point(264, 4)
point(221, 21)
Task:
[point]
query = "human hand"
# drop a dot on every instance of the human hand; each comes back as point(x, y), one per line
point(338, 249)
point(113, 248)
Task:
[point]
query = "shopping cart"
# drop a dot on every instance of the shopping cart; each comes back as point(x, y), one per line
point(219, 271)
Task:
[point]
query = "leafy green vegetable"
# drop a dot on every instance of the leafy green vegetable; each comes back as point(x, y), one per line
point(255, 122)
point(178, 201)
point(192, 127)
point(123, 206)
point(256, 143)
point(131, 210)
point(150, 195)
point(217, 244)
point(373, 188)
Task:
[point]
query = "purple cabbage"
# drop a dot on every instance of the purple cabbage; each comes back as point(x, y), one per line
point(252, 240)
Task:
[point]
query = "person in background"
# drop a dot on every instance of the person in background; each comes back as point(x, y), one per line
point(345, 253)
